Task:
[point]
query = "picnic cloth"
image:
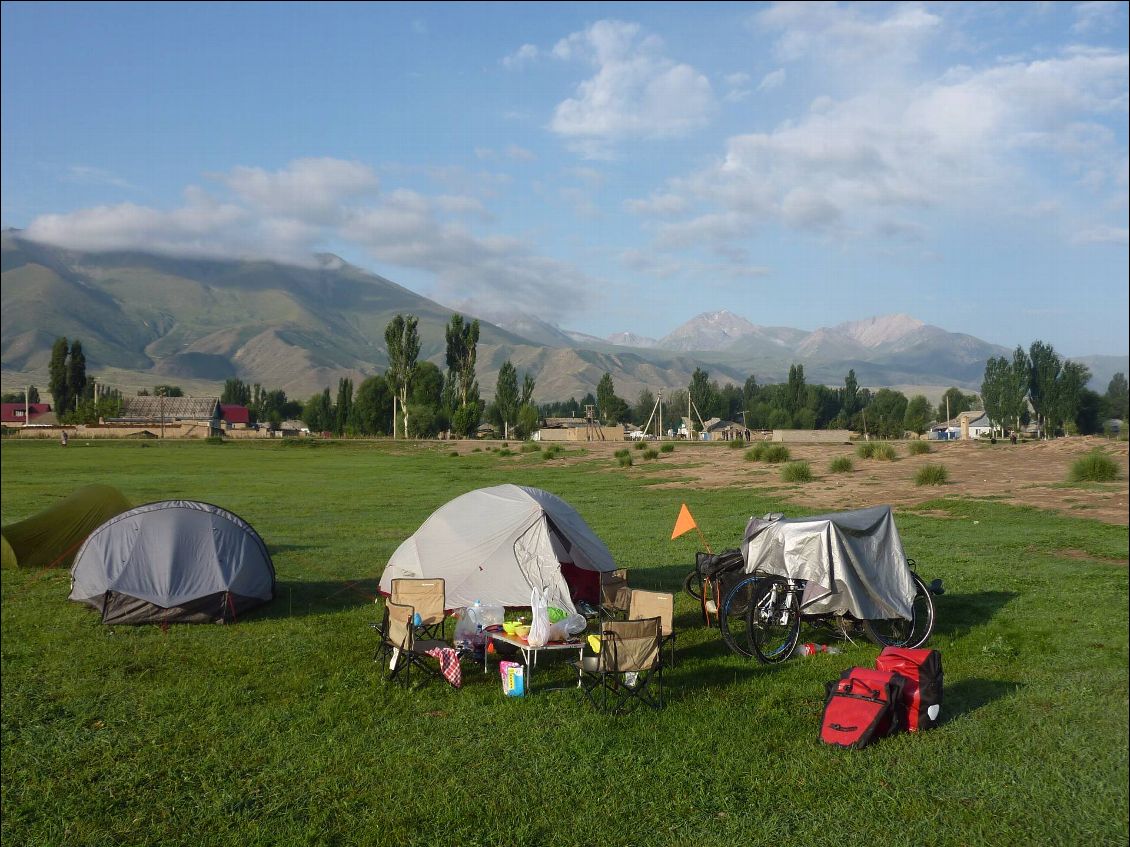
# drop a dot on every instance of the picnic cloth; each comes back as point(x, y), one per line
point(449, 666)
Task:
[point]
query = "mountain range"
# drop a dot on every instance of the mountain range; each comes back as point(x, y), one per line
point(146, 319)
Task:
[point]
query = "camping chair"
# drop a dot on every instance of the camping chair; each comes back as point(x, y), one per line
point(649, 604)
point(614, 594)
point(406, 649)
point(626, 647)
point(427, 597)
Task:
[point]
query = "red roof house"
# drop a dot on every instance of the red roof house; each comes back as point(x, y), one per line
point(235, 415)
point(13, 413)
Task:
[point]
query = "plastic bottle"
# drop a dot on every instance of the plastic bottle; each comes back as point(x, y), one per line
point(810, 649)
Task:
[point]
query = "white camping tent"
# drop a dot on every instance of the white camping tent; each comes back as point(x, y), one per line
point(495, 544)
point(177, 561)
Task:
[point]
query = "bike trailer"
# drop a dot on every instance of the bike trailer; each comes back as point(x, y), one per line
point(922, 694)
point(861, 707)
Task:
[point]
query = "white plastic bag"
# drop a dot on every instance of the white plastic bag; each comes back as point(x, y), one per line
point(563, 629)
point(539, 625)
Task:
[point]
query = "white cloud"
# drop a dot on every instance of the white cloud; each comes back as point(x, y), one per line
point(636, 92)
point(522, 56)
point(519, 154)
point(307, 189)
point(772, 80)
point(289, 214)
point(1102, 234)
point(88, 175)
point(1097, 16)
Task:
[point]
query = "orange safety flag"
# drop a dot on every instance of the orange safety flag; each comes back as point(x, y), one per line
point(685, 523)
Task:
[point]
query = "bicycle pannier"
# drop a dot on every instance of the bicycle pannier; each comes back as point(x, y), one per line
point(860, 707)
point(922, 695)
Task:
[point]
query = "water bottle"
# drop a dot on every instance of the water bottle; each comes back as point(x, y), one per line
point(810, 649)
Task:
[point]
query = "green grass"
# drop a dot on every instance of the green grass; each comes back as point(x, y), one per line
point(1096, 466)
point(650, 454)
point(841, 464)
point(932, 475)
point(279, 729)
point(796, 472)
point(918, 448)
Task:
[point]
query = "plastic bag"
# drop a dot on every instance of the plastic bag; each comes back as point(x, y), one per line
point(570, 626)
point(539, 625)
point(467, 629)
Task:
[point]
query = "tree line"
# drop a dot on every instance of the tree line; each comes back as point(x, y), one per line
point(1038, 385)
point(418, 399)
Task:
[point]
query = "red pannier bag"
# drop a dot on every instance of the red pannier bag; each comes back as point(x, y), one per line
point(922, 696)
point(861, 707)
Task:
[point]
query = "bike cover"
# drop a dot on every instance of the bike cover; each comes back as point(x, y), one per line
point(853, 561)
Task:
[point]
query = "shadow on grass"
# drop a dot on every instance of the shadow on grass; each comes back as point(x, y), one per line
point(969, 695)
point(957, 614)
point(294, 598)
point(661, 577)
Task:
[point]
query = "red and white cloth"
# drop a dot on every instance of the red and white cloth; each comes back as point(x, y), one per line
point(449, 664)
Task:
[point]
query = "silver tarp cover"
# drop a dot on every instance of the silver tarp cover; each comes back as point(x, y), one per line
point(853, 561)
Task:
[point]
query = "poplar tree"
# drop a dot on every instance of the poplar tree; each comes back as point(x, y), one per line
point(402, 342)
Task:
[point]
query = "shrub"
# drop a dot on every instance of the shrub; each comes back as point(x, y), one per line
point(841, 464)
point(639, 445)
point(530, 447)
point(1096, 466)
point(505, 452)
point(753, 454)
point(886, 452)
point(866, 450)
point(651, 454)
point(917, 448)
point(553, 452)
point(667, 448)
point(215, 439)
point(736, 444)
point(775, 453)
point(620, 454)
point(931, 475)
point(625, 460)
point(454, 453)
point(796, 472)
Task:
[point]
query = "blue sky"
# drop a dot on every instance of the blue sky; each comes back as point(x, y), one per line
point(607, 167)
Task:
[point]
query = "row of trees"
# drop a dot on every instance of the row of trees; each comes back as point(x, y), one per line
point(417, 399)
point(1053, 388)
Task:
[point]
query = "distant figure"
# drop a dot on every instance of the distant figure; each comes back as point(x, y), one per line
point(63, 438)
point(1012, 436)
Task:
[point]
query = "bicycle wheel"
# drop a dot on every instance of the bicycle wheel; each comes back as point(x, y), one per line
point(774, 621)
point(898, 632)
point(693, 584)
point(732, 615)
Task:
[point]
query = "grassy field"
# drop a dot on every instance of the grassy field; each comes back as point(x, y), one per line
point(280, 730)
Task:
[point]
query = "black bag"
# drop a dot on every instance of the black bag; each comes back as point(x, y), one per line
point(861, 707)
point(922, 695)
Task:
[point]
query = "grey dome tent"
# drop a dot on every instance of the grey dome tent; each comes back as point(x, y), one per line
point(495, 544)
point(176, 561)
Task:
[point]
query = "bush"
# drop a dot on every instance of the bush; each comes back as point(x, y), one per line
point(753, 454)
point(620, 454)
point(215, 439)
point(1096, 466)
point(736, 443)
point(886, 452)
point(625, 460)
point(917, 448)
point(530, 447)
point(667, 448)
point(841, 464)
point(640, 445)
point(651, 454)
point(775, 453)
point(505, 452)
point(553, 452)
point(866, 450)
point(796, 472)
point(454, 453)
point(931, 475)
point(875, 450)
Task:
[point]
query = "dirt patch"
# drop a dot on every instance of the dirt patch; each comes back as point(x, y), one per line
point(1084, 556)
point(1028, 474)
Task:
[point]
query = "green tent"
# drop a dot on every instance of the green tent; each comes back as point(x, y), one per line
point(51, 538)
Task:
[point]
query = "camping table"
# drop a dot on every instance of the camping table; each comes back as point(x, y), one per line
point(530, 654)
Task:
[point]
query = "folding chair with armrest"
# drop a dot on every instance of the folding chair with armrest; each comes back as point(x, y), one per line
point(406, 649)
point(614, 594)
point(626, 647)
point(660, 604)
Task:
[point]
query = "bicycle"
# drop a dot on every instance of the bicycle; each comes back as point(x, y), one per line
point(760, 617)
